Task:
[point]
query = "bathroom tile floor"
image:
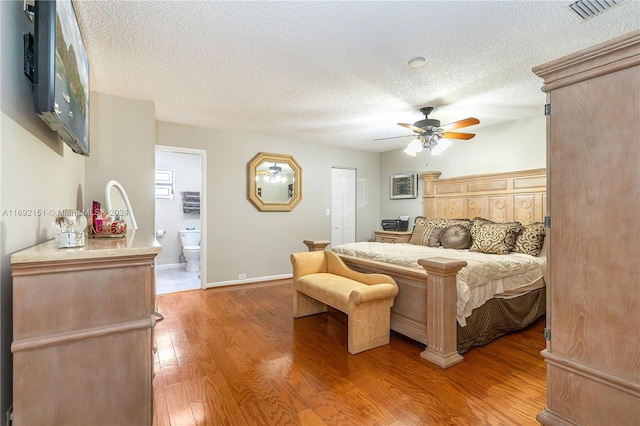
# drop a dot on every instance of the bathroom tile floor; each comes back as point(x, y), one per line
point(174, 279)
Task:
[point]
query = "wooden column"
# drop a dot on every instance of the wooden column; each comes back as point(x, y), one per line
point(441, 310)
point(429, 192)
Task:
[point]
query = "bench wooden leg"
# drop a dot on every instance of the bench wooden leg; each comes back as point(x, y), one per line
point(304, 305)
point(369, 325)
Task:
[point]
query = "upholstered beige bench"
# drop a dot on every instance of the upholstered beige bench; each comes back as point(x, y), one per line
point(321, 278)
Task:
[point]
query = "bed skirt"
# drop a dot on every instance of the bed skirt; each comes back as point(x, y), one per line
point(499, 316)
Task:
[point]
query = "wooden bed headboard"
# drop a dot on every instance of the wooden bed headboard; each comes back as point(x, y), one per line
point(500, 197)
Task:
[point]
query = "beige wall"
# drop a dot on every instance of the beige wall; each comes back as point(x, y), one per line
point(123, 148)
point(242, 240)
point(38, 173)
point(516, 145)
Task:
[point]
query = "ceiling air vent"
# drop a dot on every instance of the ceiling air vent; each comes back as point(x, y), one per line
point(583, 10)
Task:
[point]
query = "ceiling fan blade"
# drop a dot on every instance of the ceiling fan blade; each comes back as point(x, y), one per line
point(457, 135)
point(395, 137)
point(461, 123)
point(412, 127)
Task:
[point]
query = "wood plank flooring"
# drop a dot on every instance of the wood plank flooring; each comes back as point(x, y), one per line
point(236, 356)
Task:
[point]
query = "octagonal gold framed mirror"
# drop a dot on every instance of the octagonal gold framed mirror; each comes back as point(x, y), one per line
point(274, 182)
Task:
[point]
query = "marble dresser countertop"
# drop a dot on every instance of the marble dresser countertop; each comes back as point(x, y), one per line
point(135, 243)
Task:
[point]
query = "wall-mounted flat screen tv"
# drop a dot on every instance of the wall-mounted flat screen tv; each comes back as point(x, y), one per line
point(61, 73)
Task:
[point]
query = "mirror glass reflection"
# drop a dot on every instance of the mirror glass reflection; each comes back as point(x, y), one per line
point(274, 182)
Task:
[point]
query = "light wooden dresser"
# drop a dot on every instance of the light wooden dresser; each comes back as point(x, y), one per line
point(83, 323)
point(392, 236)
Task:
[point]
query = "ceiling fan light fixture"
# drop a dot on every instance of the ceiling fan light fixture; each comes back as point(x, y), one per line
point(417, 62)
point(433, 137)
point(275, 178)
point(441, 146)
point(414, 147)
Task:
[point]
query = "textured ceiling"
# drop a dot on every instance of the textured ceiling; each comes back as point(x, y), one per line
point(334, 72)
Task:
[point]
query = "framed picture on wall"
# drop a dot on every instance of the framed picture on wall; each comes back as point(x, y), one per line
point(403, 186)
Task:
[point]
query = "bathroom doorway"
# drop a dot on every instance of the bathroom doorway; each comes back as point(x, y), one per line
point(180, 205)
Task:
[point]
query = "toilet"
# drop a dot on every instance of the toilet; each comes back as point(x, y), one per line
point(190, 241)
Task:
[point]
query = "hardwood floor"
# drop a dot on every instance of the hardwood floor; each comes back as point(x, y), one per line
point(236, 356)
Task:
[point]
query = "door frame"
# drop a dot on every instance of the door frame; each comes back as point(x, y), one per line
point(203, 203)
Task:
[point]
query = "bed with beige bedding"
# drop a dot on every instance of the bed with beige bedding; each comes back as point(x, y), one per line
point(453, 299)
point(485, 276)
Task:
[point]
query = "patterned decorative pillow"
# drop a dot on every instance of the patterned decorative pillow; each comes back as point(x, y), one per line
point(464, 222)
point(434, 238)
point(480, 220)
point(424, 225)
point(495, 238)
point(477, 221)
point(441, 222)
point(429, 221)
point(424, 229)
point(475, 224)
point(421, 233)
point(531, 239)
point(420, 220)
point(426, 235)
point(456, 237)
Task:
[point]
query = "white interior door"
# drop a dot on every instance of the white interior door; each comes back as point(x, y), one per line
point(343, 206)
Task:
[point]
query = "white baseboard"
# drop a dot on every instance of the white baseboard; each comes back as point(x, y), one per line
point(171, 266)
point(248, 280)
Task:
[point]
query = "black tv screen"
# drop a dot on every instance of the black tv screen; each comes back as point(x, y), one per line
point(61, 73)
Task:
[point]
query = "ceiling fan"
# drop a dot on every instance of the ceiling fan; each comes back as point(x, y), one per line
point(429, 132)
point(274, 173)
point(275, 169)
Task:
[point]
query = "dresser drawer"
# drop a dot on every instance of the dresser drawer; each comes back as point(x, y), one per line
point(392, 236)
point(391, 240)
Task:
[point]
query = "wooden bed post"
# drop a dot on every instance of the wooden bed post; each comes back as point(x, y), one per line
point(428, 192)
point(441, 310)
point(316, 245)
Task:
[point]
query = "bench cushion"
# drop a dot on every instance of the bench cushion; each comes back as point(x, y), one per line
point(333, 290)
